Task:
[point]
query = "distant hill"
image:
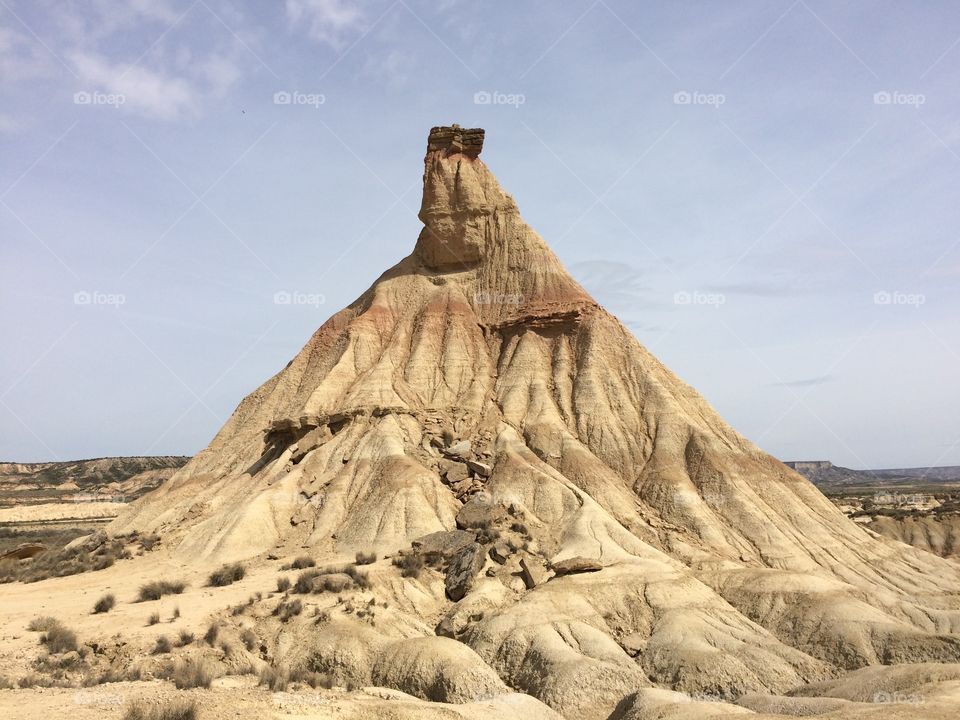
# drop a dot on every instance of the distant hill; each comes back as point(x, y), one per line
point(125, 478)
point(829, 477)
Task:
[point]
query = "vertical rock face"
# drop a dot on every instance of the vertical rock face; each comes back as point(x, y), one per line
point(478, 369)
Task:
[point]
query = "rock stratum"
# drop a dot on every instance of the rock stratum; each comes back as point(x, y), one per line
point(594, 534)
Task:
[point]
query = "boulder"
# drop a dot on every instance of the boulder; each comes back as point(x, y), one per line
point(576, 565)
point(463, 570)
point(481, 469)
point(453, 471)
point(443, 544)
point(478, 511)
point(459, 449)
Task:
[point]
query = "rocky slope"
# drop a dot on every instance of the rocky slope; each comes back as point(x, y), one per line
point(594, 534)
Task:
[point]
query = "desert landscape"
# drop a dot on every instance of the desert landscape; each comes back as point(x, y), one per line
point(475, 494)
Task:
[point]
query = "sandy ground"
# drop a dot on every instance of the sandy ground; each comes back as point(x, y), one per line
point(60, 511)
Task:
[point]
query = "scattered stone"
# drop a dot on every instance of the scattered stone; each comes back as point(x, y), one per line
point(576, 565)
point(634, 644)
point(480, 512)
point(443, 544)
point(532, 573)
point(500, 553)
point(481, 469)
point(459, 449)
point(463, 570)
point(453, 471)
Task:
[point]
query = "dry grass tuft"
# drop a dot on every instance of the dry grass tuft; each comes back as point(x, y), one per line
point(105, 604)
point(366, 558)
point(227, 575)
point(177, 709)
point(59, 639)
point(192, 674)
point(158, 588)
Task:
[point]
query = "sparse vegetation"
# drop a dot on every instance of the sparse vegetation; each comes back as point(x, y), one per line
point(360, 578)
point(59, 639)
point(105, 604)
point(162, 645)
point(210, 637)
point(277, 679)
point(410, 565)
point(158, 588)
point(249, 639)
point(283, 583)
point(95, 553)
point(177, 709)
point(366, 558)
point(519, 527)
point(287, 609)
point(185, 638)
point(304, 561)
point(227, 575)
point(176, 614)
point(42, 624)
point(153, 619)
point(192, 673)
point(5, 683)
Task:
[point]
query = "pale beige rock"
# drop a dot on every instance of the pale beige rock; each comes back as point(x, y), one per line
point(722, 568)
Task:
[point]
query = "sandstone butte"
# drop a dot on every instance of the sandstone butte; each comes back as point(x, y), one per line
point(595, 535)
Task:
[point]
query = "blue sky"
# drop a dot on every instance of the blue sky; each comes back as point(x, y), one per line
point(765, 192)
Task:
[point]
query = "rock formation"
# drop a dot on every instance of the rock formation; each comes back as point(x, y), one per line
point(625, 544)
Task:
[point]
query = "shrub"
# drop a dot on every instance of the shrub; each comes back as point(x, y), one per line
point(185, 638)
point(42, 624)
point(304, 582)
point(162, 646)
point(148, 542)
point(177, 709)
point(366, 558)
point(105, 604)
point(410, 565)
point(153, 619)
point(95, 552)
point(158, 588)
point(249, 639)
point(304, 561)
point(274, 678)
point(5, 683)
point(360, 578)
point(176, 614)
point(192, 673)
point(210, 637)
point(59, 639)
point(288, 609)
point(519, 527)
point(283, 583)
point(227, 575)
point(227, 648)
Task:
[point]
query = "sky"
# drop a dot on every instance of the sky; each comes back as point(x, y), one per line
point(765, 192)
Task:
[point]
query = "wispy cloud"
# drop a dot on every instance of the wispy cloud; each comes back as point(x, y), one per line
point(327, 21)
point(806, 382)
